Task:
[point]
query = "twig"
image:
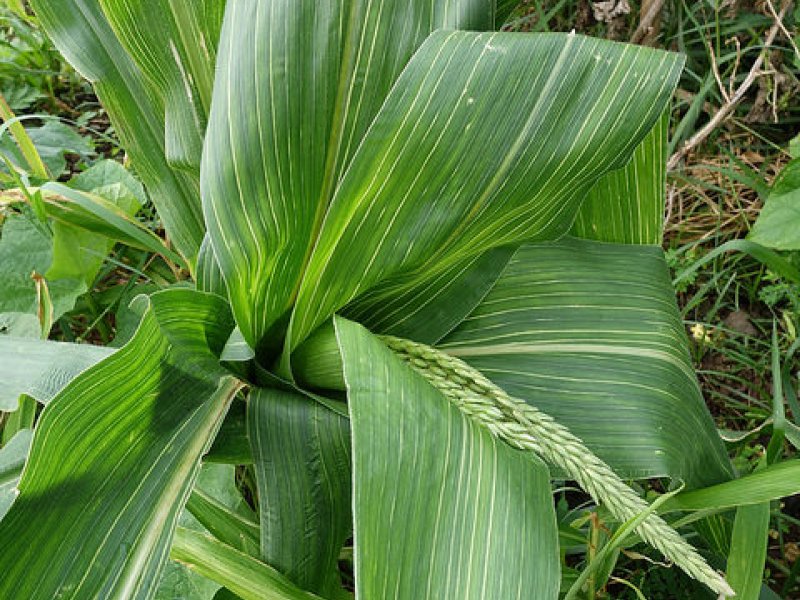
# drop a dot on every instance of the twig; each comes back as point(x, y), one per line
point(646, 21)
point(780, 24)
point(730, 105)
point(717, 76)
point(732, 78)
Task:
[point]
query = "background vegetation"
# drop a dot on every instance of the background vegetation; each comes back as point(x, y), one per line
point(735, 122)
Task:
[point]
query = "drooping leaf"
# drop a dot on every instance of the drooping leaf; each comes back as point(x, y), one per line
point(94, 213)
point(129, 434)
point(581, 328)
point(79, 253)
point(627, 205)
point(297, 86)
point(40, 368)
point(301, 451)
point(82, 34)
point(442, 509)
point(460, 160)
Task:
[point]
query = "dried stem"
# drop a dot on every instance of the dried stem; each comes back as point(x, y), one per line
point(644, 30)
point(733, 101)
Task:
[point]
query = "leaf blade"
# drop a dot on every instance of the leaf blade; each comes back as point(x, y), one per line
point(105, 512)
point(429, 484)
point(593, 328)
point(301, 453)
point(449, 170)
point(280, 138)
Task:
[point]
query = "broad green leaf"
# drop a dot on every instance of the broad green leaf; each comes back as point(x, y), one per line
point(462, 159)
point(301, 451)
point(129, 434)
point(174, 43)
point(12, 458)
point(52, 142)
point(778, 224)
point(79, 253)
point(41, 369)
point(428, 309)
point(627, 205)
point(297, 86)
point(442, 508)
point(748, 551)
point(118, 182)
point(82, 34)
point(249, 578)
point(27, 247)
point(19, 324)
point(581, 328)
point(770, 483)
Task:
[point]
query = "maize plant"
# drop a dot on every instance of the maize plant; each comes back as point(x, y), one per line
point(420, 279)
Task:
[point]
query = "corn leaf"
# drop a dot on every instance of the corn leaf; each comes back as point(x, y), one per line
point(247, 577)
point(81, 33)
point(91, 212)
point(435, 493)
point(129, 434)
point(301, 451)
point(748, 551)
point(174, 43)
point(40, 368)
point(427, 309)
point(581, 328)
point(624, 206)
point(461, 159)
point(12, 458)
point(297, 86)
point(627, 205)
